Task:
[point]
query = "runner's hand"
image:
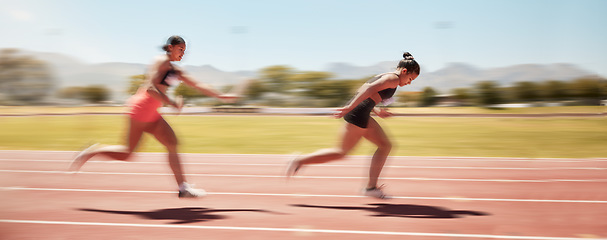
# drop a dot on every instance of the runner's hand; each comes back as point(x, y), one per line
point(383, 113)
point(228, 98)
point(178, 103)
point(341, 112)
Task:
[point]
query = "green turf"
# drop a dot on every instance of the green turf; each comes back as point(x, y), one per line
point(525, 110)
point(446, 110)
point(413, 136)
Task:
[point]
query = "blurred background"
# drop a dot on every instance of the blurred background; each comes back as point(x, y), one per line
point(62, 58)
point(308, 54)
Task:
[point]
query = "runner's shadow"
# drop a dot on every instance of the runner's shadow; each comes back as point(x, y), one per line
point(403, 210)
point(179, 215)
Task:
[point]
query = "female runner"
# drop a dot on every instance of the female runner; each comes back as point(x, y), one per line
point(144, 116)
point(360, 124)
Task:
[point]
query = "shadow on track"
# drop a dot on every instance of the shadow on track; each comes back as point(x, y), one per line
point(180, 215)
point(402, 210)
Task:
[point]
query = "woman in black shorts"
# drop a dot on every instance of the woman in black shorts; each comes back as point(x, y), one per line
point(357, 114)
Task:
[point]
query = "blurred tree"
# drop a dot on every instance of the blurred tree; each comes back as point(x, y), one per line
point(409, 98)
point(24, 79)
point(463, 95)
point(255, 90)
point(554, 90)
point(227, 88)
point(302, 80)
point(428, 97)
point(95, 93)
point(585, 88)
point(333, 93)
point(590, 89)
point(525, 91)
point(508, 95)
point(135, 82)
point(276, 78)
point(603, 88)
point(487, 93)
point(71, 92)
point(311, 84)
point(188, 92)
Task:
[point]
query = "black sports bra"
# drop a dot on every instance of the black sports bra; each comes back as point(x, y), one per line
point(386, 93)
point(169, 79)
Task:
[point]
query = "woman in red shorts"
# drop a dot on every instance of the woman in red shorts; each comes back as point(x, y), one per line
point(144, 116)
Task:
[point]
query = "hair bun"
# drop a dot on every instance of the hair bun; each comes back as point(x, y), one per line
point(173, 40)
point(407, 56)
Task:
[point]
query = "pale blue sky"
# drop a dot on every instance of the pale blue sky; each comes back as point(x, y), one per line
point(250, 34)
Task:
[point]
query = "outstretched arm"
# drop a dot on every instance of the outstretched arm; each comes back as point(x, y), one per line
point(205, 88)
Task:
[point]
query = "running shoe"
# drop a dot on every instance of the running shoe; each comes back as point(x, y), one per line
point(293, 167)
point(188, 191)
point(376, 192)
point(79, 160)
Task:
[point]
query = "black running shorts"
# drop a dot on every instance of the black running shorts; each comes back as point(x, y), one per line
point(360, 115)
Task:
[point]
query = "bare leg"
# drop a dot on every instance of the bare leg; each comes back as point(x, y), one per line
point(165, 135)
point(115, 152)
point(350, 137)
point(377, 136)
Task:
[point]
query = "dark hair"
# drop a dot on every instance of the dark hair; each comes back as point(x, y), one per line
point(409, 63)
point(173, 40)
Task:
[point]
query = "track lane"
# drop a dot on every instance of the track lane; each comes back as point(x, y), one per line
point(108, 213)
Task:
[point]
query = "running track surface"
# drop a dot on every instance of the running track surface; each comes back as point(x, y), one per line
point(435, 198)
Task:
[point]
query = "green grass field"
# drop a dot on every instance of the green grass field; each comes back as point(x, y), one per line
point(413, 136)
point(446, 110)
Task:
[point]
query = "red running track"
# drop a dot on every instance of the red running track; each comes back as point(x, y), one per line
point(435, 198)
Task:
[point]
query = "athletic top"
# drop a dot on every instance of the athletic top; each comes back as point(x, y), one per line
point(386, 94)
point(170, 78)
point(360, 115)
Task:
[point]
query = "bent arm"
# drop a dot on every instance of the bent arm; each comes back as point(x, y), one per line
point(382, 112)
point(367, 90)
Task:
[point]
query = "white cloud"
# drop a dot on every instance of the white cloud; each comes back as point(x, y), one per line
point(20, 15)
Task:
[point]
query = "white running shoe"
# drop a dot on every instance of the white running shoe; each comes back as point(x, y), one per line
point(188, 191)
point(79, 160)
point(292, 167)
point(376, 192)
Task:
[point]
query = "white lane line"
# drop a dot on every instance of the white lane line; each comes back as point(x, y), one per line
point(286, 156)
point(270, 229)
point(303, 195)
point(315, 177)
point(324, 165)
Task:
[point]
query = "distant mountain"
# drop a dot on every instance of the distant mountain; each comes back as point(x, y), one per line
point(457, 75)
point(115, 76)
point(349, 71)
point(214, 76)
point(70, 71)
